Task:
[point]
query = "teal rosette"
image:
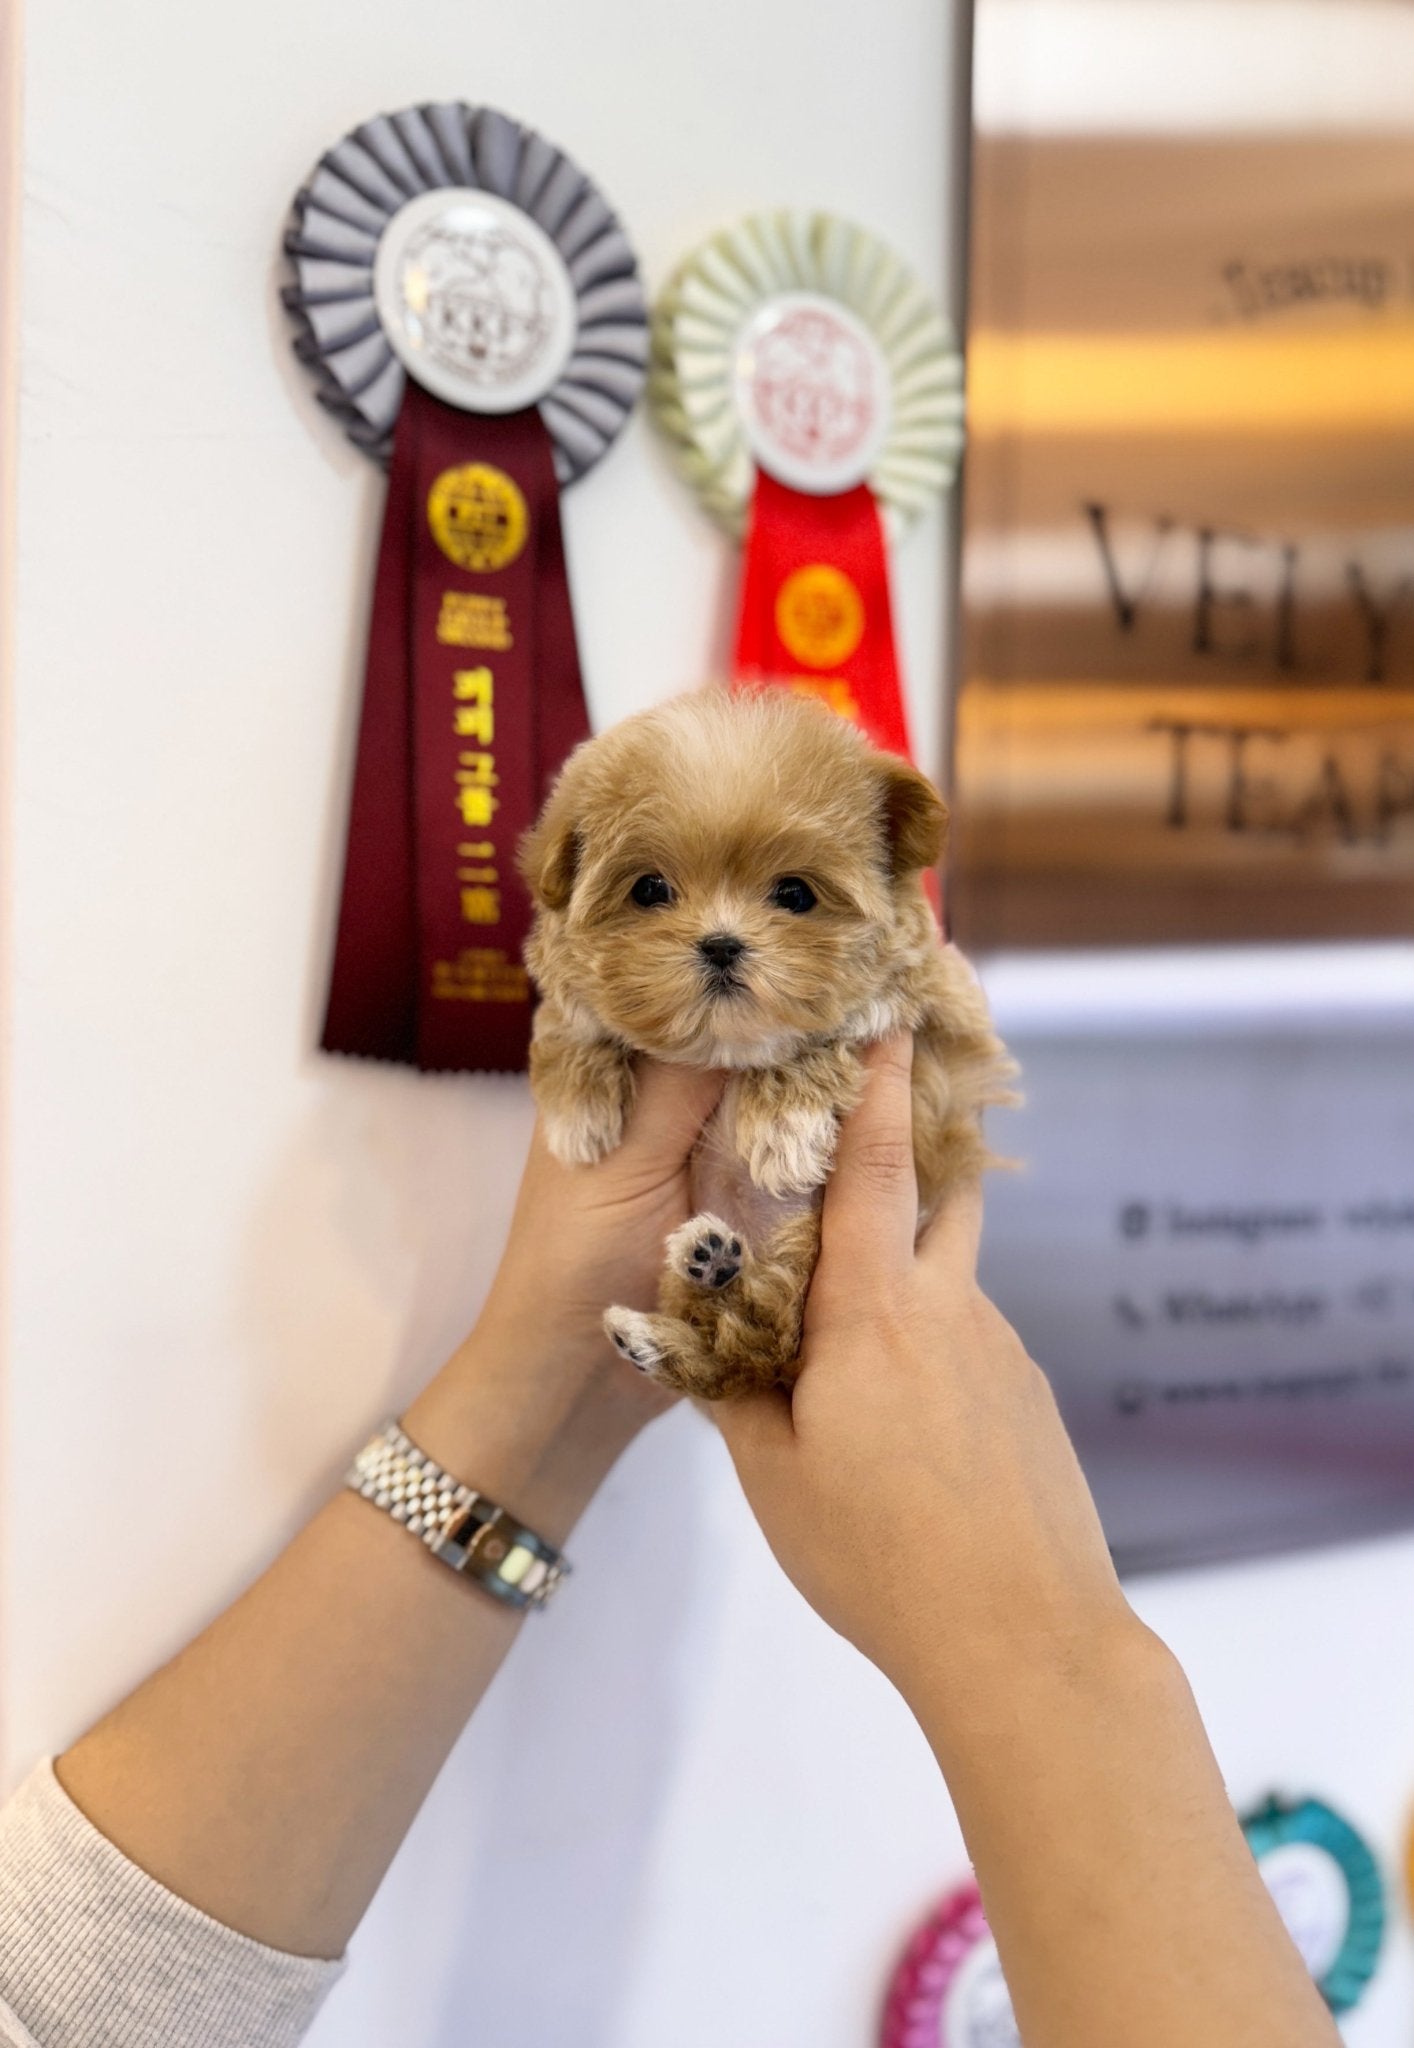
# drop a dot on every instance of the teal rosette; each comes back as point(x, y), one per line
point(1326, 1884)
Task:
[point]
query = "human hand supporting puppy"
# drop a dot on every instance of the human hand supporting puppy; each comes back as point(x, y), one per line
point(534, 1401)
point(918, 1486)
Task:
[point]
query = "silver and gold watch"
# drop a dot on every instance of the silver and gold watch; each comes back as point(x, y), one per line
point(458, 1525)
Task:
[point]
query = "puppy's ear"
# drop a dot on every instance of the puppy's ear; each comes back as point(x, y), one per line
point(548, 855)
point(915, 817)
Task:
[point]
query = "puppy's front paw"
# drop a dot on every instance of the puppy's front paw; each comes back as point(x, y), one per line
point(792, 1151)
point(631, 1334)
point(705, 1251)
point(583, 1132)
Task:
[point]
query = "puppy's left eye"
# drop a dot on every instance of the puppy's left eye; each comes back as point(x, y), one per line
point(650, 890)
point(790, 893)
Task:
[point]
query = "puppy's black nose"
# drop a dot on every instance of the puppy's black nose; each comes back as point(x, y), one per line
point(720, 950)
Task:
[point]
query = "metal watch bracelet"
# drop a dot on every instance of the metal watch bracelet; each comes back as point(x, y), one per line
point(458, 1525)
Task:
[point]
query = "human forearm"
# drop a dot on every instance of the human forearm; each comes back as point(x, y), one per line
point(269, 1772)
point(919, 1486)
point(1125, 1902)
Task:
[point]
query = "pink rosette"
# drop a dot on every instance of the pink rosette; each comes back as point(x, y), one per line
point(913, 2013)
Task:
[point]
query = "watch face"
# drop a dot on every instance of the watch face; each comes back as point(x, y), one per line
point(812, 389)
point(475, 299)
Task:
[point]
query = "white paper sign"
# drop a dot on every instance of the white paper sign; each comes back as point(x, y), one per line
point(1211, 1252)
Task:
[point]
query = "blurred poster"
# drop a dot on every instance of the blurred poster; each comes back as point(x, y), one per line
point(1188, 565)
point(1210, 1249)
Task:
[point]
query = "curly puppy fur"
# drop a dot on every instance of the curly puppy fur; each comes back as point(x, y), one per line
point(662, 927)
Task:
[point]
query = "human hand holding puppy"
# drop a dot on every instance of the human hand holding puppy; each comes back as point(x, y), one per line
point(918, 1484)
point(534, 1399)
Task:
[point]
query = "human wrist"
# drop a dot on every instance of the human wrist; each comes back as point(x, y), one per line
point(1095, 1661)
point(538, 1440)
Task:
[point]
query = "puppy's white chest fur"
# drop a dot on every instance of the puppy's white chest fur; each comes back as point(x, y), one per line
point(722, 1180)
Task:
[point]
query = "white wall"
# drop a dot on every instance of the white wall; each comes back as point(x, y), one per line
point(227, 1257)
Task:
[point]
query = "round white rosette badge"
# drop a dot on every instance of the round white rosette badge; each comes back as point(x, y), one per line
point(475, 300)
point(811, 387)
point(471, 312)
point(812, 394)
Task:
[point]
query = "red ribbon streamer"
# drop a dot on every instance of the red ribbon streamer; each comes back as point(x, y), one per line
point(815, 612)
point(472, 699)
point(815, 607)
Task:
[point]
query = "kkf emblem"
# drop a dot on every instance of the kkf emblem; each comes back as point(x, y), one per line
point(815, 387)
point(477, 516)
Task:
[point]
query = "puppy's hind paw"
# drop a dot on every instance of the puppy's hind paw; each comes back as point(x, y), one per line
point(705, 1251)
point(631, 1334)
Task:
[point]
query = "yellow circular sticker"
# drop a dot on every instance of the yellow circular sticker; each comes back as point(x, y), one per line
point(819, 615)
point(477, 516)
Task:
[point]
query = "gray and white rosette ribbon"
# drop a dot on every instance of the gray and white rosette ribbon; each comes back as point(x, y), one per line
point(801, 343)
point(471, 312)
point(454, 244)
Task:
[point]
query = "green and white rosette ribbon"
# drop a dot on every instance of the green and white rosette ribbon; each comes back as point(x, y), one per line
point(1326, 1885)
point(881, 403)
point(456, 244)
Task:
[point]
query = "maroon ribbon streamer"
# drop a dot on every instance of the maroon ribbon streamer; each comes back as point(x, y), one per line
point(472, 699)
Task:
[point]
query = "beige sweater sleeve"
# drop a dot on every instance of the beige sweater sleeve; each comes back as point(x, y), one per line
point(94, 1953)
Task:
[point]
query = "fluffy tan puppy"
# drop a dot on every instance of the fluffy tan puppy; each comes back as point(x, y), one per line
point(736, 881)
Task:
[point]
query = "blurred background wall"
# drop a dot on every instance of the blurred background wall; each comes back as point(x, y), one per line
point(225, 1258)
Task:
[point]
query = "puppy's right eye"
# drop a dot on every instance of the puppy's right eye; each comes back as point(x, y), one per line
point(650, 890)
